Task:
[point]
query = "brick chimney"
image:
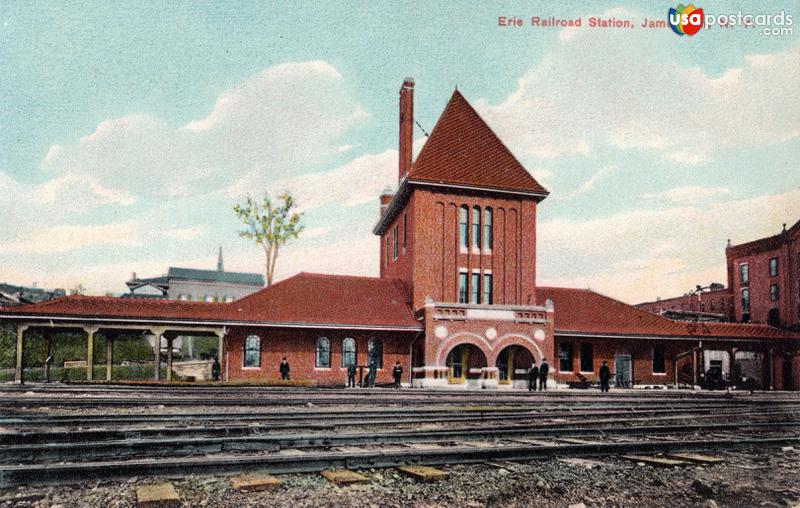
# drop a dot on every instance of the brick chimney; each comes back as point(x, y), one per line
point(406, 127)
point(386, 198)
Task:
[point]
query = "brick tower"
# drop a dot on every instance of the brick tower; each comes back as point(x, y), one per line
point(460, 232)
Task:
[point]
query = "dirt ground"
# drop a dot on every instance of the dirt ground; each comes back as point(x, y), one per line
point(744, 479)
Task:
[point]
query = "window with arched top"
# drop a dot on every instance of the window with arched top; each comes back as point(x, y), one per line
point(252, 351)
point(349, 352)
point(463, 231)
point(323, 357)
point(476, 227)
point(488, 233)
point(375, 352)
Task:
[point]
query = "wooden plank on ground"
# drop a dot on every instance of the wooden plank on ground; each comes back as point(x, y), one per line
point(344, 477)
point(423, 473)
point(696, 457)
point(255, 482)
point(585, 463)
point(656, 461)
point(157, 495)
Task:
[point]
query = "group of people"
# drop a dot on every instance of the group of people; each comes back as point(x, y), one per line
point(538, 373)
point(369, 382)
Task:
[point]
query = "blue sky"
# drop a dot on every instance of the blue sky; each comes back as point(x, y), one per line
point(127, 132)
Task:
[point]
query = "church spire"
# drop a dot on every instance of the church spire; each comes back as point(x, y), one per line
point(220, 267)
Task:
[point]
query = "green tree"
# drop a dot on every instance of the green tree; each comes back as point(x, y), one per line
point(270, 225)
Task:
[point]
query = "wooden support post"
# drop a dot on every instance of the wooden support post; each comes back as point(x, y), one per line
point(19, 372)
point(220, 358)
point(109, 355)
point(48, 346)
point(169, 357)
point(157, 358)
point(90, 331)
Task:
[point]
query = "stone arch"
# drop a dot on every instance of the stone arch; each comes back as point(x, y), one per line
point(463, 338)
point(516, 339)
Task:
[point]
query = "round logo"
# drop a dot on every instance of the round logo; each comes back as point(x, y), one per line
point(440, 332)
point(539, 334)
point(490, 333)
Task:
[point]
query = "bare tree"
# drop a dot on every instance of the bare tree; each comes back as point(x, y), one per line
point(270, 225)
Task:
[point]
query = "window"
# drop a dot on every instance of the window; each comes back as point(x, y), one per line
point(375, 352)
point(488, 234)
point(405, 231)
point(395, 239)
point(487, 289)
point(387, 250)
point(475, 288)
point(348, 352)
point(462, 287)
point(463, 232)
point(565, 357)
point(745, 299)
point(659, 365)
point(323, 353)
point(252, 351)
point(587, 358)
point(773, 267)
point(744, 273)
point(773, 292)
point(209, 298)
point(228, 299)
point(476, 228)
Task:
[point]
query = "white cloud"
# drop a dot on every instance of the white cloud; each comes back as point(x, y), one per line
point(640, 254)
point(59, 239)
point(184, 234)
point(659, 104)
point(689, 194)
point(283, 121)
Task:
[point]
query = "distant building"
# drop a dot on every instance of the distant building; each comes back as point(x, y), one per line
point(190, 284)
point(11, 295)
point(713, 303)
point(764, 277)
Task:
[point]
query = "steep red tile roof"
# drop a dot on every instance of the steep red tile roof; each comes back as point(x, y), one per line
point(304, 299)
point(330, 299)
point(584, 311)
point(463, 150)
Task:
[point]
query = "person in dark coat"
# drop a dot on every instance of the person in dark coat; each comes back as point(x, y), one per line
point(47, 364)
point(351, 375)
point(215, 368)
point(373, 371)
point(397, 373)
point(543, 370)
point(533, 376)
point(284, 368)
point(605, 376)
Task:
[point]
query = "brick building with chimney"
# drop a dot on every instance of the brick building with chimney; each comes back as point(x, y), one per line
point(456, 302)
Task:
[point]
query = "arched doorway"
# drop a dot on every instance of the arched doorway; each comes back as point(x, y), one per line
point(464, 363)
point(512, 364)
point(774, 318)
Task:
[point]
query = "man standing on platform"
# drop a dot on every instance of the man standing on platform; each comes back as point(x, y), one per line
point(605, 375)
point(284, 368)
point(351, 375)
point(543, 370)
point(397, 373)
point(533, 376)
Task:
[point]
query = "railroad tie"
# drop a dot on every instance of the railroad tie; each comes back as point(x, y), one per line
point(255, 482)
point(344, 477)
point(423, 473)
point(656, 461)
point(157, 495)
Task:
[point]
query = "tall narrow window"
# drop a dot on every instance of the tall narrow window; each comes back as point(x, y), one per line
point(348, 352)
point(773, 267)
point(252, 351)
point(745, 299)
point(323, 352)
point(587, 358)
point(773, 292)
point(744, 273)
point(405, 232)
point(475, 288)
point(488, 234)
point(394, 242)
point(488, 297)
point(462, 287)
point(463, 232)
point(659, 364)
point(375, 352)
point(565, 357)
point(387, 250)
point(476, 227)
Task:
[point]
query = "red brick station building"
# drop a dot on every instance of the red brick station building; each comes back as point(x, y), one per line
point(456, 302)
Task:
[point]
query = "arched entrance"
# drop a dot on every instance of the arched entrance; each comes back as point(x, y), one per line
point(464, 363)
point(512, 364)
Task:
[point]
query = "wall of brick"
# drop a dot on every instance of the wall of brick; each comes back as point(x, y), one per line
point(299, 347)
